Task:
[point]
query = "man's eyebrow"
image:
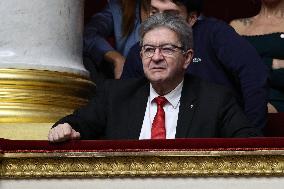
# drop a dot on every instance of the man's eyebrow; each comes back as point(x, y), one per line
point(152, 7)
point(172, 11)
point(163, 44)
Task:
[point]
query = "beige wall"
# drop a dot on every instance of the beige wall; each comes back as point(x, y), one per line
point(148, 183)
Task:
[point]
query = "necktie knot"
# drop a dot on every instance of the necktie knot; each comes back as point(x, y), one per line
point(160, 100)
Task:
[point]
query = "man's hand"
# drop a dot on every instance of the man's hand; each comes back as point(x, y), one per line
point(117, 60)
point(271, 108)
point(118, 69)
point(62, 132)
point(277, 64)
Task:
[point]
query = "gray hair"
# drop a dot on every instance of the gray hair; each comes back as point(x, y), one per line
point(172, 22)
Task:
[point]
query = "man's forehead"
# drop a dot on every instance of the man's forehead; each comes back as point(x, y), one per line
point(160, 35)
point(166, 4)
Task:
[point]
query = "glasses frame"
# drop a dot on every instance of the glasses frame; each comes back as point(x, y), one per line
point(164, 53)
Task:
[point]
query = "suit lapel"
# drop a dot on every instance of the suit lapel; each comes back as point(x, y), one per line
point(188, 104)
point(136, 111)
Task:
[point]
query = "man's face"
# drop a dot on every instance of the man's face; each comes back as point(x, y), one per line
point(160, 6)
point(162, 56)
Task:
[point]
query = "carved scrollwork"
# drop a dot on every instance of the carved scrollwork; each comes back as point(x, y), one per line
point(140, 165)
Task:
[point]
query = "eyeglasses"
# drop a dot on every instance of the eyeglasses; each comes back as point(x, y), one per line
point(165, 49)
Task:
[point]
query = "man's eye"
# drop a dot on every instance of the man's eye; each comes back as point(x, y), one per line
point(174, 12)
point(153, 11)
point(167, 50)
point(149, 49)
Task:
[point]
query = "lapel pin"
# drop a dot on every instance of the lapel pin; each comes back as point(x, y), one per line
point(282, 35)
point(191, 106)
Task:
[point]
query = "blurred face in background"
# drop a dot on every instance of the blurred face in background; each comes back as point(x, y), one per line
point(160, 6)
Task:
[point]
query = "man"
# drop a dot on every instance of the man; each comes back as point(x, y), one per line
point(220, 56)
point(166, 105)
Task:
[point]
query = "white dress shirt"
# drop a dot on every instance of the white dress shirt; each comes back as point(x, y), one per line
point(171, 109)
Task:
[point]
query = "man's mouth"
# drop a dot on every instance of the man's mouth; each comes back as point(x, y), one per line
point(158, 68)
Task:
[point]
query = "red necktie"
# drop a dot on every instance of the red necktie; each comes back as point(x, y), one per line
point(158, 130)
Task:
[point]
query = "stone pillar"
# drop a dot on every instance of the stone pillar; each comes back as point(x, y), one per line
point(42, 77)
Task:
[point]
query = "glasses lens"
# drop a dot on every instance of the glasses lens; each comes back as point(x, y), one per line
point(168, 50)
point(165, 50)
point(149, 50)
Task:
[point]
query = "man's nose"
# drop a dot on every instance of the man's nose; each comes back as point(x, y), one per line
point(157, 55)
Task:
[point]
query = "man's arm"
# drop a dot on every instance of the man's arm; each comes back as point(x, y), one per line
point(241, 59)
point(96, 31)
point(96, 46)
point(233, 121)
point(88, 121)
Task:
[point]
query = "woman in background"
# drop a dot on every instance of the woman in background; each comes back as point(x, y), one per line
point(120, 20)
point(265, 32)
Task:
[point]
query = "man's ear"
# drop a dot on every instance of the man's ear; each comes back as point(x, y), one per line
point(192, 18)
point(141, 54)
point(188, 57)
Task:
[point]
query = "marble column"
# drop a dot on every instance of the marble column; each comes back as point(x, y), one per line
point(42, 77)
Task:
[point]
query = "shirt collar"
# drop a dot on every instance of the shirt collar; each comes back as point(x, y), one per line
point(173, 97)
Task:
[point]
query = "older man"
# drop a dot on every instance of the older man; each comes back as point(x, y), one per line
point(167, 104)
point(221, 56)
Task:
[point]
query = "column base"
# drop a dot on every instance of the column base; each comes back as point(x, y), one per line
point(25, 131)
point(29, 99)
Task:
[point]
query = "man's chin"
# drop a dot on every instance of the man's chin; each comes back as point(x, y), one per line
point(157, 79)
point(156, 76)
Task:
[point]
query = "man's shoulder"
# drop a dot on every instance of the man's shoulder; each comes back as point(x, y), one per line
point(123, 86)
point(114, 3)
point(203, 86)
point(211, 21)
point(213, 24)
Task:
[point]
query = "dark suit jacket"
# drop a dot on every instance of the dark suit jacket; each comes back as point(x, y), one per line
point(118, 108)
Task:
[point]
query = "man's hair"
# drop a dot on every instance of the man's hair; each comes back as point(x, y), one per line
point(191, 5)
point(172, 22)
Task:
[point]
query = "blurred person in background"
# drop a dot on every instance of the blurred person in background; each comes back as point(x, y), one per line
point(265, 31)
point(120, 21)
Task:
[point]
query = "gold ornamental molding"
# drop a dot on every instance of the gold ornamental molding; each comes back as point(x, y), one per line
point(142, 164)
point(34, 96)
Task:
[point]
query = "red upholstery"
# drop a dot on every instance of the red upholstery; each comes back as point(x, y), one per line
point(275, 128)
point(212, 144)
point(275, 125)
